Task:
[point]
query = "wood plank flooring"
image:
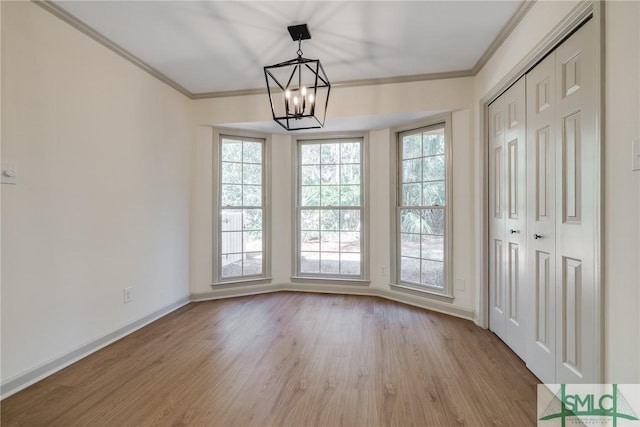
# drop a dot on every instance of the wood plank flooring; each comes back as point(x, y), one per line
point(289, 359)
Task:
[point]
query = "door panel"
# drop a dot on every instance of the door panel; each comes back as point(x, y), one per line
point(516, 294)
point(541, 347)
point(576, 197)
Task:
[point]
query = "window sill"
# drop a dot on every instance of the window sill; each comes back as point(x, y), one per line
point(423, 292)
point(238, 282)
point(330, 280)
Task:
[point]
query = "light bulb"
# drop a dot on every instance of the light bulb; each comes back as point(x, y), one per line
point(295, 100)
point(303, 91)
point(310, 98)
point(287, 94)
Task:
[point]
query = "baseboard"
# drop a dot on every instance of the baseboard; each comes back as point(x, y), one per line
point(402, 297)
point(21, 381)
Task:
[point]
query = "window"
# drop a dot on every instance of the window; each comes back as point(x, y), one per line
point(241, 238)
point(422, 213)
point(330, 211)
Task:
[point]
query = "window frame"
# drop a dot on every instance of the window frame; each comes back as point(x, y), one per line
point(297, 275)
point(446, 292)
point(265, 140)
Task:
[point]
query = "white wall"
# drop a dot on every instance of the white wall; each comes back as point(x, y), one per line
point(622, 193)
point(443, 95)
point(102, 200)
point(621, 245)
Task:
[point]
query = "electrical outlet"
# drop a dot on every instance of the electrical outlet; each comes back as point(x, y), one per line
point(635, 152)
point(126, 295)
point(383, 271)
point(461, 285)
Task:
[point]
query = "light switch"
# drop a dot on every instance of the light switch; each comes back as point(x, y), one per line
point(636, 155)
point(9, 173)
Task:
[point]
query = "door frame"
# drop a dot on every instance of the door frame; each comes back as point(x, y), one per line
point(581, 13)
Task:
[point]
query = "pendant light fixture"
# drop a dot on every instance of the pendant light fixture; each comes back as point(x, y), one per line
point(298, 88)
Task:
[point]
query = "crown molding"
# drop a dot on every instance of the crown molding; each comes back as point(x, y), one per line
point(65, 16)
point(502, 35)
point(74, 22)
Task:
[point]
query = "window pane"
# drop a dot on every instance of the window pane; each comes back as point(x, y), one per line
point(350, 263)
point(310, 241)
point(231, 242)
point(252, 241)
point(311, 175)
point(252, 174)
point(231, 220)
point(329, 241)
point(330, 195)
point(310, 219)
point(410, 221)
point(310, 195)
point(350, 174)
point(231, 173)
point(349, 220)
point(252, 219)
point(350, 152)
point(231, 265)
point(310, 262)
point(350, 241)
point(310, 154)
point(329, 263)
point(231, 195)
point(412, 170)
point(411, 146)
point(410, 270)
point(432, 273)
point(252, 152)
point(412, 194)
point(252, 195)
point(433, 193)
point(252, 263)
point(330, 220)
point(329, 174)
point(350, 195)
point(232, 151)
point(410, 245)
point(433, 142)
point(433, 168)
point(432, 221)
point(330, 153)
point(433, 247)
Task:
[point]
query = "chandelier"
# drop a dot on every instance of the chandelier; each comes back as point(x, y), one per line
point(298, 88)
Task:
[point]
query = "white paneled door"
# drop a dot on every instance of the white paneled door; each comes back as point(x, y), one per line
point(508, 291)
point(544, 200)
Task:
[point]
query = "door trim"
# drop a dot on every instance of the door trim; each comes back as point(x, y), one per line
point(579, 15)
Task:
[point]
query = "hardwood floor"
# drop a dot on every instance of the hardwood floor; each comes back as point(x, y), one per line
point(289, 359)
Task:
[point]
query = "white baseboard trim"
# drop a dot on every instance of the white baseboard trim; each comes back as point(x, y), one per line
point(24, 380)
point(402, 297)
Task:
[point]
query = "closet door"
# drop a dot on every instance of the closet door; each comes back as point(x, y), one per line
point(541, 132)
point(497, 304)
point(507, 232)
point(515, 162)
point(577, 358)
point(563, 201)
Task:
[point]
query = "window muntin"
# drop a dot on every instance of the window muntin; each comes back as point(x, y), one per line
point(330, 208)
point(242, 208)
point(422, 212)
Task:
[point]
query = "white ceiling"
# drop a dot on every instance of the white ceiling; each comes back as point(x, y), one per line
point(218, 46)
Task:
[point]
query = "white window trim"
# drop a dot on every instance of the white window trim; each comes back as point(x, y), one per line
point(296, 276)
point(445, 294)
point(265, 277)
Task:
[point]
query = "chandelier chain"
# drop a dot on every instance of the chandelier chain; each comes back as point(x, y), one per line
point(299, 52)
